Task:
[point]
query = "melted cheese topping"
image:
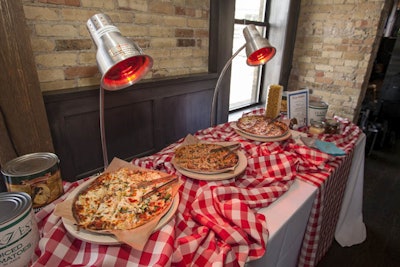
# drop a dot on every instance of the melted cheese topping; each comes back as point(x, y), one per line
point(114, 200)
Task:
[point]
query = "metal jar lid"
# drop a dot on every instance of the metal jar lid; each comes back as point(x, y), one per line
point(15, 204)
point(30, 164)
point(318, 104)
point(317, 124)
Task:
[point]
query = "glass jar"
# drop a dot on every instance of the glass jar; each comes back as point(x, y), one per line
point(331, 126)
point(316, 127)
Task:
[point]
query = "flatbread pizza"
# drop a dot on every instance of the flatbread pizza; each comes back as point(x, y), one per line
point(205, 158)
point(260, 126)
point(123, 200)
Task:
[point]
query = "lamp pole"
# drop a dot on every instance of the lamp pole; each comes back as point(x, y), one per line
point(215, 96)
point(102, 128)
point(258, 50)
point(121, 63)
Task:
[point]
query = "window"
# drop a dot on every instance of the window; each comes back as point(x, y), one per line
point(278, 20)
point(245, 80)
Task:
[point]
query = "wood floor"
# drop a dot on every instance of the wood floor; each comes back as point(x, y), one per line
point(381, 211)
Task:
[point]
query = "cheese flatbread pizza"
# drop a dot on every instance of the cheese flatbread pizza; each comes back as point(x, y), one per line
point(205, 158)
point(122, 200)
point(260, 126)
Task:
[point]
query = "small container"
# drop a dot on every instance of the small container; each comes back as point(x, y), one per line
point(37, 174)
point(331, 126)
point(317, 110)
point(316, 127)
point(19, 233)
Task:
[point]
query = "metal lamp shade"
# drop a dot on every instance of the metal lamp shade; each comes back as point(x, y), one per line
point(258, 49)
point(120, 61)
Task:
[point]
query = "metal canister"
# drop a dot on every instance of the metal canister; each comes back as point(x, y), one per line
point(19, 233)
point(317, 111)
point(37, 174)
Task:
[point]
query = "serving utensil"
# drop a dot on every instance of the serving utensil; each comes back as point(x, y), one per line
point(146, 183)
point(232, 147)
point(172, 180)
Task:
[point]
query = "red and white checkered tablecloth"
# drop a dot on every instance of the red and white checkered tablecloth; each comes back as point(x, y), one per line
point(216, 223)
point(331, 183)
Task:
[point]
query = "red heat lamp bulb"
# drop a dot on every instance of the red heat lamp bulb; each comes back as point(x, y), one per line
point(261, 56)
point(126, 72)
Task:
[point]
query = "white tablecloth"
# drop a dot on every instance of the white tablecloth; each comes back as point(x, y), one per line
point(350, 229)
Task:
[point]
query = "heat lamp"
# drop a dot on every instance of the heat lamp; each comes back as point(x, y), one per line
point(120, 61)
point(258, 51)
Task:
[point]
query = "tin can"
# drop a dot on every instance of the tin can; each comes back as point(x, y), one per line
point(317, 111)
point(37, 174)
point(19, 233)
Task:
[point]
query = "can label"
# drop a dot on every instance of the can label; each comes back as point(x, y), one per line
point(43, 189)
point(317, 112)
point(18, 240)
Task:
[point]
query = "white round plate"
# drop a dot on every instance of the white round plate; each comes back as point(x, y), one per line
point(109, 239)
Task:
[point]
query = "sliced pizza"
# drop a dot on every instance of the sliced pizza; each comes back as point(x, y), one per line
point(122, 200)
point(260, 126)
point(205, 158)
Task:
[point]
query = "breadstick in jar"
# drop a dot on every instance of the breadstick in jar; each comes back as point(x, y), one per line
point(273, 101)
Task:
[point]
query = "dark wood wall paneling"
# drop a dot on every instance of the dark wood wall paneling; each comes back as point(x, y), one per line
point(23, 122)
point(139, 120)
point(222, 19)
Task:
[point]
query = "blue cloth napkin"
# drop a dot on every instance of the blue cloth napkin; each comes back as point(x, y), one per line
point(329, 148)
point(326, 147)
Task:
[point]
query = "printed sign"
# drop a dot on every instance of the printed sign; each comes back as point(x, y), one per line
point(297, 102)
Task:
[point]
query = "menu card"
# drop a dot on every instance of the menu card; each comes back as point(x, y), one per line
point(297, 106)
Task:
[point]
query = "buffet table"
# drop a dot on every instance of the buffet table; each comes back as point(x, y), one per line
point(228, 222)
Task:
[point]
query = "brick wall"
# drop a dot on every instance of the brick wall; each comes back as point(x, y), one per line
point(336, 44)
point(173, 32)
